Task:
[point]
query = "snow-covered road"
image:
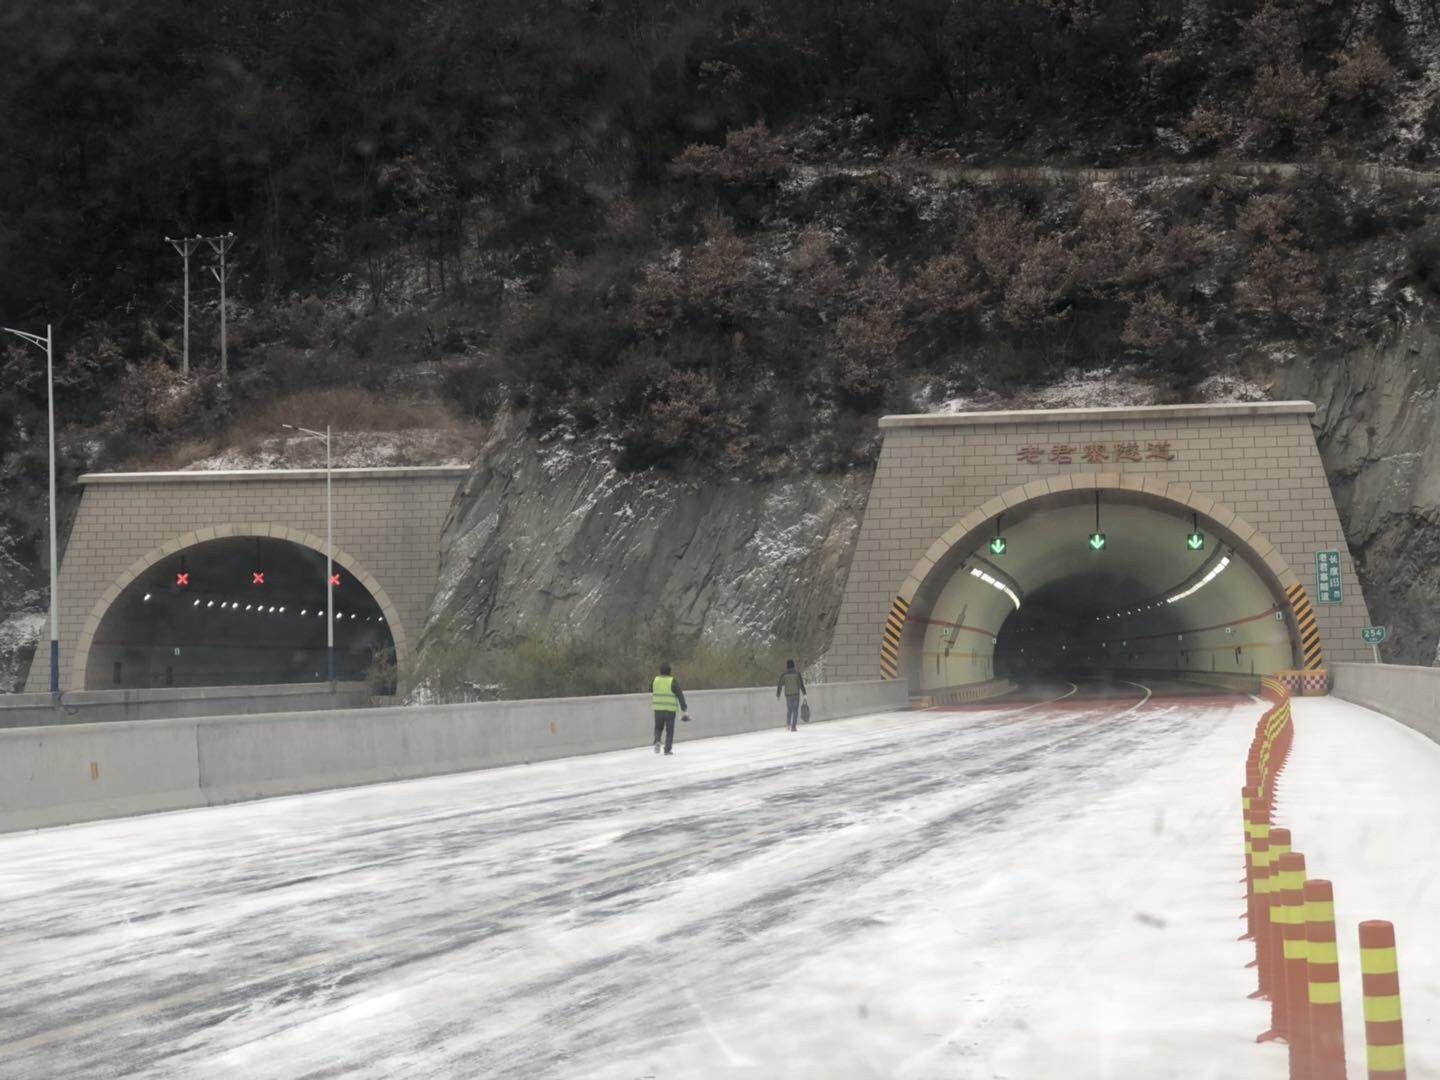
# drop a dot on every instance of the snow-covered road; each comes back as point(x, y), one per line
point(1044, 887)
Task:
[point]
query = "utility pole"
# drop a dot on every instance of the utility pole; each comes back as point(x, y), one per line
point(48, 344)
point(220, 245)
point(186, 247)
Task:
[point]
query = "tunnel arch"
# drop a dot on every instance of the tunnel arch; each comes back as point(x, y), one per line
point(259, 531)
point(902, 645)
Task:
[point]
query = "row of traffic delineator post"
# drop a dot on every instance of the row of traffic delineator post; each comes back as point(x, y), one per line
point(1291, 920)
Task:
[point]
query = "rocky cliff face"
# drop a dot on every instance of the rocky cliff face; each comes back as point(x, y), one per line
point(548, 538)
point(1378, 427)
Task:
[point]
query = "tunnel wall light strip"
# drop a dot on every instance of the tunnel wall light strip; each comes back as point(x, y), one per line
point(1211, 576)
point(975, 571)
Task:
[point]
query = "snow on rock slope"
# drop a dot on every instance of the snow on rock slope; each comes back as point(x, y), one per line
point(549, 538)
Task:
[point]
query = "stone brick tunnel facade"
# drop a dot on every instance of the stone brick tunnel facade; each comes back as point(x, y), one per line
point(1250, 474)
point(387, 524)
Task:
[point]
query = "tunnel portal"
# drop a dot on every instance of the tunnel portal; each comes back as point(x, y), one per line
point(1218, 549)
point(235, 611)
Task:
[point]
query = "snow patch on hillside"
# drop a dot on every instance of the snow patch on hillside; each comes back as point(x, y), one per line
point(1102, 387)
point(352, 450)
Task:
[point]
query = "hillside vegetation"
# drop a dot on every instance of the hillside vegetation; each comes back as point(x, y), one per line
point(712, 235)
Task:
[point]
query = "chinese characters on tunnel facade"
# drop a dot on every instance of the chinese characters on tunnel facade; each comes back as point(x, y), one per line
point(1095, 453)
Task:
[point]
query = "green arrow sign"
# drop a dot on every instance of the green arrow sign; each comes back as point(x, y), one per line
point(998, 546)
point(1097, 541)
point(1195, 541)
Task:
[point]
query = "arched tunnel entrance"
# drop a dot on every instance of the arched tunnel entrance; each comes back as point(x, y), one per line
point(235, 611)
point(1046, 585)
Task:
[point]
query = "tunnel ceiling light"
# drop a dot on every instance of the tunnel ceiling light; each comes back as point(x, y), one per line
point(210, 603)
point(975, 571)
point(1215, 572)
point(195, 604)
point(282, 609)
point(147, 598)
point(304, 611)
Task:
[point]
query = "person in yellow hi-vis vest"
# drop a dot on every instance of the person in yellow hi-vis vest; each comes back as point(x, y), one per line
point(666, 698)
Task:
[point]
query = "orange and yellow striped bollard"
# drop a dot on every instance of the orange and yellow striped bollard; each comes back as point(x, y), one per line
point(1322, 967)
point(1247, 815)
point(1296, 1004)
point(1260, 925)
point(1270, 944)
point(1380, 974)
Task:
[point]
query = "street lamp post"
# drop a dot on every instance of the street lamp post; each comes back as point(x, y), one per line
point(47, 343)
point(329, 553)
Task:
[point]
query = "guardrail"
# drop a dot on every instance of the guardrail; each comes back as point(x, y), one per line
point(1291, 920)
point(1408, 694)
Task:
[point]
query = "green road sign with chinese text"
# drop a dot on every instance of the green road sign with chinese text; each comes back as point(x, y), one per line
point(1327, 577)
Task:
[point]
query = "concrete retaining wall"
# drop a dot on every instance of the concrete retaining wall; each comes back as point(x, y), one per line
point(1408, 694)
point(82, 772)
point(108, 706)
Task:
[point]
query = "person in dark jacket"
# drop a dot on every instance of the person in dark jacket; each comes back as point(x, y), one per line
point(666, 698)
point(792, 684)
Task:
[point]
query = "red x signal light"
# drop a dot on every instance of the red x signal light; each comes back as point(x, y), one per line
point(182, 579)
point(257, 577)
point(335, 581)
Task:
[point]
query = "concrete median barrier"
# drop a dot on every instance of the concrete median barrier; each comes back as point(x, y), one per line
point(82, 772)
point(178, 702)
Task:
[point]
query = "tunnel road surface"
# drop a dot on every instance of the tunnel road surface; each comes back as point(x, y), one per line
point(1040, 886)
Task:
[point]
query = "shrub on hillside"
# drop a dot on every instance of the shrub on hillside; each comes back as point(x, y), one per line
point(1285, 106)
point(1284, 282)
point(1107, 239)
point(474, 389)
point(819, 280)
point(715, 283)
point(1158, 330)
point(749, 153)
point(1040, 284)
point(1001, 239)
point(1362, 76)
point(153, 404)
